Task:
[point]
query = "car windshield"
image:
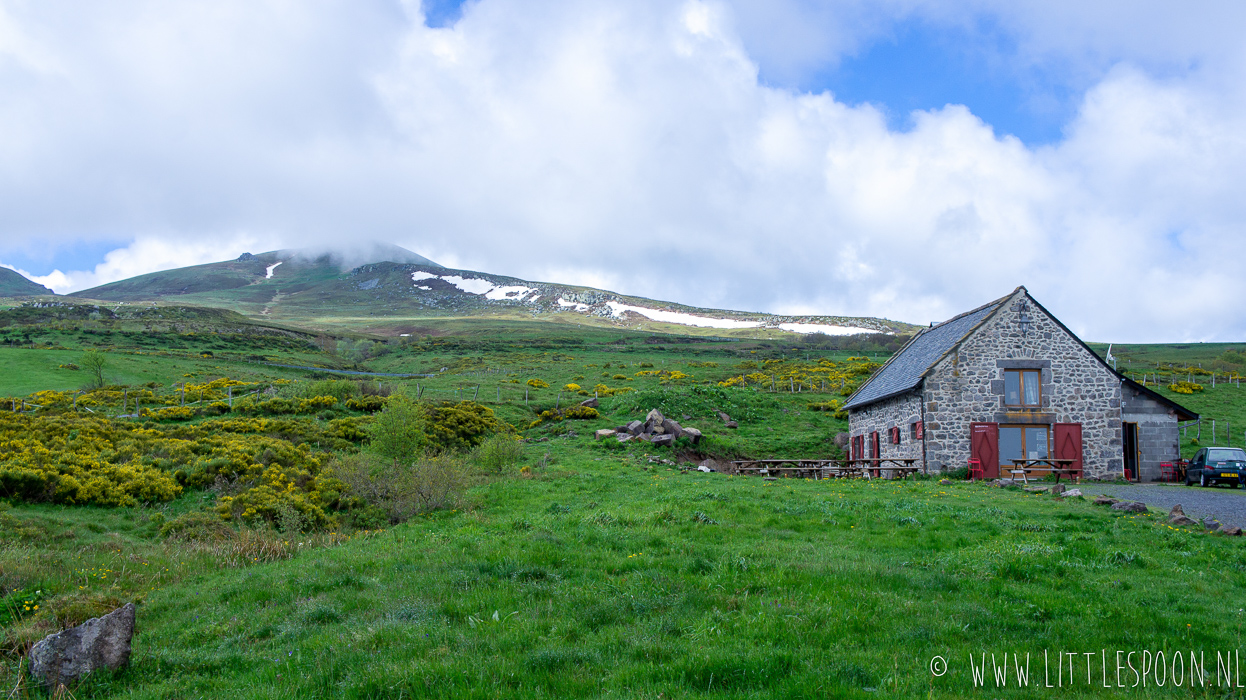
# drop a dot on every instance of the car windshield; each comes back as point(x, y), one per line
point(1226, 455)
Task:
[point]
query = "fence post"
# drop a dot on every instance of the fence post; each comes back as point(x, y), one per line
point(230, 391)
point(477, 392)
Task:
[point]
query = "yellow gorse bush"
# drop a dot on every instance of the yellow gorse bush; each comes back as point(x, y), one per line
point(76, 458)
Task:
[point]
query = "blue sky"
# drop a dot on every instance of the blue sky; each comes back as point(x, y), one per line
point(899, 158)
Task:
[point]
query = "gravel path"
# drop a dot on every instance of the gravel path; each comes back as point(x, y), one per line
point(1222, 503)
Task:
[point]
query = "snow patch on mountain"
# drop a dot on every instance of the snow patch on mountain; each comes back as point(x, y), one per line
point(474, 285)
point(821, 328)
point(572, 305)
point(618, 310)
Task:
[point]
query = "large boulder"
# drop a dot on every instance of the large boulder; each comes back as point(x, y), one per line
point(693, 434)
point(635, 427)
point(664, 439)
point(672, 427)
point(655, 417)
point(1130, 506)
point(591, 403)
point(101, 642)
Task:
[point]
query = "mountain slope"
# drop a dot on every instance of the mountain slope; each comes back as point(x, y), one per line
point(14, 284)
point(295, 287)
point(298, 268)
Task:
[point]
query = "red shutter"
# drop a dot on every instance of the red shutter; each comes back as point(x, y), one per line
point(874, 447)
point(921, 431)
point(895, 435)
point(984, 447)
point(1068, 439)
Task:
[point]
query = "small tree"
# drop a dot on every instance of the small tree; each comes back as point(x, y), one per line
point(94, 362)
point(398, 434)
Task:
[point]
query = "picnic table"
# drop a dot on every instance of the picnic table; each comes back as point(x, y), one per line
point(1059, 467)
point(826, 468)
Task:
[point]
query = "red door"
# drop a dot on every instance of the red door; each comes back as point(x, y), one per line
point(984, 447)
point(1068, 439)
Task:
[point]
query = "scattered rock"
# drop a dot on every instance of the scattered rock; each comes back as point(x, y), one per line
point(1036, 489)
point(1130, 506)
point(1176, 510)
point(1211, 524)
point(724, 417)
point(591, 403)
point(1105, 501)
point(624, 437)
point(1071, 493)
point(732, 424)
point(1232, 531)
point(655, 417)
point(1058, 489)
point(693, 434)
point(704, 469)
point(65, 657)
point(635, 427)
point(709, 464)
point(604, 432)
point(662, 440)
point(945, 482)
point(672, 427)
point(1181, 521)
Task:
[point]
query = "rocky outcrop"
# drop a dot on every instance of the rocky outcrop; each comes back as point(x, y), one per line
point(655, 428)
point(101, 642)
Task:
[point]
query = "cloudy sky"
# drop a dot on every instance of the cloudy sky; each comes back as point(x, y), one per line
point(901, 158)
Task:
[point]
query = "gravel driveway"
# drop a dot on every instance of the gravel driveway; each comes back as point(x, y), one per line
point(1222, 503)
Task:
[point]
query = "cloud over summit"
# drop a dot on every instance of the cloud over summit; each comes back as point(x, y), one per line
point(636, 146)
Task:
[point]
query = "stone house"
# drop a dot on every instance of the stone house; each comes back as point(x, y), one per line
point(1008, 380)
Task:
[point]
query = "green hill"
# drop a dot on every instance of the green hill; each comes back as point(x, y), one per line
point(13, 284)
point(399, 292)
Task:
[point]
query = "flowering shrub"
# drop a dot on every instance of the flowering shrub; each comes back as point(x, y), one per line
point(367, 404)
point(86, 459)
point(571, 387)
point(581, 413)
point(537, 383)
point(461, 425)
point(173, 413)
point(1184, 387)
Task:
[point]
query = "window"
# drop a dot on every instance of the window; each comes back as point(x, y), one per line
point(915, 429)
point(1023, 442)
point(1022, 387)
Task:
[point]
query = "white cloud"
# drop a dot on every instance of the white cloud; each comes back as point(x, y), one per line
point(631, 146)
point(143, 256)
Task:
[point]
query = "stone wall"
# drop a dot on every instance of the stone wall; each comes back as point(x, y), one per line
point(1158, 439)
point(901, 411)
point(967, 387)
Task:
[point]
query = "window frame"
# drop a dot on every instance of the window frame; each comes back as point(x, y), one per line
point(1021, 385)
point(1023, 428)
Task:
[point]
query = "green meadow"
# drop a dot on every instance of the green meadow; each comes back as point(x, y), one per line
point(568, 566)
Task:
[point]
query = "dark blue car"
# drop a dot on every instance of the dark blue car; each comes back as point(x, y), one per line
point(1217, 465)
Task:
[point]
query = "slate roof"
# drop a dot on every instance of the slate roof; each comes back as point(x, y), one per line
point(905, 369)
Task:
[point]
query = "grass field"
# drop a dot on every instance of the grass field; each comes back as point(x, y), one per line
point(607, 575)
point(582, 568)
